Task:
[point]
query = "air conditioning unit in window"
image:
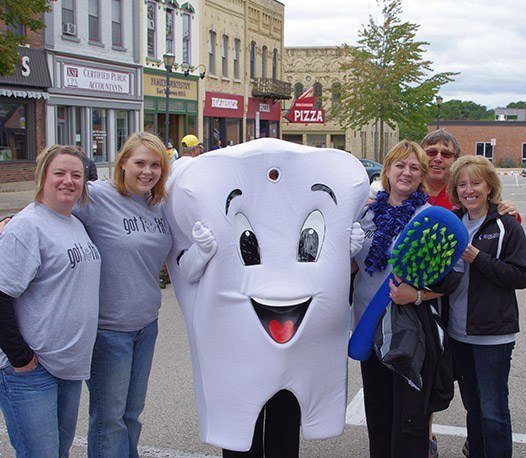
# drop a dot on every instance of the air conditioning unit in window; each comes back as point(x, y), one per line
point(69, 29)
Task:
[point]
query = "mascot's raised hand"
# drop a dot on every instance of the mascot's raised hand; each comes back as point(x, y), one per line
point(194, 260)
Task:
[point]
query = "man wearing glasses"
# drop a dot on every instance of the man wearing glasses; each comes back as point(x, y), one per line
point(442, 149)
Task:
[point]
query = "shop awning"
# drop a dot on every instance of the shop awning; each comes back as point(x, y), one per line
point(24, 94)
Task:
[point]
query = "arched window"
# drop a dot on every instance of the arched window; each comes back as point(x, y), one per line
point(336, 91)
point(318, 93)
point(275, 65)
point(212, 52)
point(237, 51)
point(253, 59)
point(298, 90)
point(224, 56)
point(264, 52)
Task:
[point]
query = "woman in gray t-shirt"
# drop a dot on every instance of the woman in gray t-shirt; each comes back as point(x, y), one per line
point(125, 219)
point(49, 281)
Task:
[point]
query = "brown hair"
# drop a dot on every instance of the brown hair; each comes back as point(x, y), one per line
point(401, 151)
point(43, 161)
point(156, 146)
point(479, 167)
point(441, 136)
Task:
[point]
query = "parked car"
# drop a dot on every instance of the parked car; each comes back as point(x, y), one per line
point(523, 173)
point(374, 169)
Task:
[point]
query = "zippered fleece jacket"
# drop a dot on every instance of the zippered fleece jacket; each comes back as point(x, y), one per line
point(497, 271)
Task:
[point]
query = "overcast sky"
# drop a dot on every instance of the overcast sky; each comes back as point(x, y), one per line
point(485, 40)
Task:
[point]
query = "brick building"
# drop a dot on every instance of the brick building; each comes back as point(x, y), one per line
point(504, 142)
point(22, 114)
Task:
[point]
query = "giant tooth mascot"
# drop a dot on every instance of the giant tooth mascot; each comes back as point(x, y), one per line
point(264, 289)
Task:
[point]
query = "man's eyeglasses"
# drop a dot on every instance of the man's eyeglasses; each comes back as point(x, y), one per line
point(445, 154)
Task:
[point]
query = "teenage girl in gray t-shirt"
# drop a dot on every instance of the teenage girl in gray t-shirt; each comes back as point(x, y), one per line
point(125, 219)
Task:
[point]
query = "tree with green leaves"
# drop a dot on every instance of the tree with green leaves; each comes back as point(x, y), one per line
point(387, 80)
point(13, 15)
point(520, 104)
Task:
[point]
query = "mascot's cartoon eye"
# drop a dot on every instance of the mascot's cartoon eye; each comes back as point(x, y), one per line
point(246, 241)
point(311, 237)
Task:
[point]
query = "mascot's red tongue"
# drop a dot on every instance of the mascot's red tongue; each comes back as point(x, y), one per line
point(281, 333)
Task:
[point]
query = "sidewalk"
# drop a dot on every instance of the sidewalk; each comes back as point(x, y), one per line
point(12, 202)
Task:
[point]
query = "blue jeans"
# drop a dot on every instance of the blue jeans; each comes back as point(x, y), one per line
point(119, 380)
point(40, 411)
point(484, 372)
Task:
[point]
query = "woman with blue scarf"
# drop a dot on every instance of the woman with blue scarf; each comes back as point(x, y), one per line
point(397, 414)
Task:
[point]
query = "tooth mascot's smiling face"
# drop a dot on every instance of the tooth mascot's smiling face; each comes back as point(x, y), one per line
point(271, 310)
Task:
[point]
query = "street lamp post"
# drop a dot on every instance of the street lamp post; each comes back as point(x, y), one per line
point(439, 101)
point(169, 60)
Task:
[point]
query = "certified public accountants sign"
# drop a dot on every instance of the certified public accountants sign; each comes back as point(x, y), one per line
point(95, 79)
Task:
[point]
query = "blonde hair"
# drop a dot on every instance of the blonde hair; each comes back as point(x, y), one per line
point(155, 145)
point(475, 166)
point(401, 151)
point(42, 165)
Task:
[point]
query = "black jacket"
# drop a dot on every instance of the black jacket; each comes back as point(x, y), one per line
point(497, 271)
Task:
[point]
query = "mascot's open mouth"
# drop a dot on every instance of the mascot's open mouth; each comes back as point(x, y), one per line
point(281, 319)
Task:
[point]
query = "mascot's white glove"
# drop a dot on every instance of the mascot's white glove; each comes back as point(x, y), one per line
point(204, 238)
point(356, 238)
point(194, 260)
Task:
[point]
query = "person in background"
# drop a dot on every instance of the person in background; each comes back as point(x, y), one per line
point(172, 153)
point(49, 296)
point(397, 414)
point(191, 146)
point(125, 219)
point(90, 169)
point(484, 317)
point(217, 144)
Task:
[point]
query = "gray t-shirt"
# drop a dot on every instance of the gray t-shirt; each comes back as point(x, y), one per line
point(459, 300)
point(52, 269)
point(365, 285)
point(133, 239)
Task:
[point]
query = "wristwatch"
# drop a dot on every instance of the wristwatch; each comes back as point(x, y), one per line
point(418, 297)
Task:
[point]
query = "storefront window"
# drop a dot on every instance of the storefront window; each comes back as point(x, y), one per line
point(78, 128)
point(149, 123)
point(273, 129)
point(316, 140)
point(62, 131)
point(251, 129)
point(233, 131)
point(99, 135)
point(191, 125)
point(122, 125)
point(13, 133)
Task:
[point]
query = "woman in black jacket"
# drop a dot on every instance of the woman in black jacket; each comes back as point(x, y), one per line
point(483, 315)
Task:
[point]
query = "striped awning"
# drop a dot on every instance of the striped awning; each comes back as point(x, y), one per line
point(24, 94)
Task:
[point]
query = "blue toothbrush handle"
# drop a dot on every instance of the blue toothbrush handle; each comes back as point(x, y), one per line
point(362, 339)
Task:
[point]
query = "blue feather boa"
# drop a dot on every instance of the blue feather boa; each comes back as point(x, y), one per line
point(389, 221)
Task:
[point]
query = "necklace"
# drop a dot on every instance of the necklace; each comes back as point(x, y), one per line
point(389, 223)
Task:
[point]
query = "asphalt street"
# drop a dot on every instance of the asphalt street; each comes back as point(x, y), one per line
point(170, 423)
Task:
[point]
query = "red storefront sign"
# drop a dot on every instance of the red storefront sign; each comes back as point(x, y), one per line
point(218, 105)
point(268, 110)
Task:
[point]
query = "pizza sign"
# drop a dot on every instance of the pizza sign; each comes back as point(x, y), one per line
point(303, 111)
